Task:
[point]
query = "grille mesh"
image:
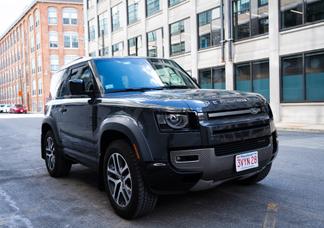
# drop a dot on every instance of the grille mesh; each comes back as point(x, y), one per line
point(241, 146)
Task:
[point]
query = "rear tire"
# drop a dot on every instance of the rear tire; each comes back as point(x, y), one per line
point(57, 165)
point(124, 183)
point(257, 177)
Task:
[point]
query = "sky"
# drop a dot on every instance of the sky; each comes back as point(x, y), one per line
point(10, 10)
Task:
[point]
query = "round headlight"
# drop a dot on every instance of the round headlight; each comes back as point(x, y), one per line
point(177, 121)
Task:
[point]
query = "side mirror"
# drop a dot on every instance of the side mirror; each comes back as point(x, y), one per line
point(77, 87)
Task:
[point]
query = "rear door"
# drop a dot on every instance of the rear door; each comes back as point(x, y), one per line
point(76, 115)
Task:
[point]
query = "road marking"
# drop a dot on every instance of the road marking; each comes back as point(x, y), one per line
point(270, 217)
point(13, 219)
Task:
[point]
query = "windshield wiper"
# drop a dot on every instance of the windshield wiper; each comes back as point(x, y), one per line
point(143, 89)
point(177, 87)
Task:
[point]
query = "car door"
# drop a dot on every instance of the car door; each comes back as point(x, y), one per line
point(76, 117)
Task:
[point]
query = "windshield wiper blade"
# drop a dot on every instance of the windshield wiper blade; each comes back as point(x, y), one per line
point(143, 89)
point(176, 87)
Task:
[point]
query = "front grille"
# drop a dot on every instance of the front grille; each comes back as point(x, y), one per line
point(241, 146)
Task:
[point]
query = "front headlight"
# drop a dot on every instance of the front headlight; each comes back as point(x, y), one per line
point(176, 121)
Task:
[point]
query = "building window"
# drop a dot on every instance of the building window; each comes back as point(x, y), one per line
point(115, 17)
point(212, 78)
point(39, 63)
point(34, 88)
point(295, 13)
point(253, 77)
point(180, 37)
point(132, 11)
point(152, 44)
point(71, 40)
point(53, 40)
point(69, 58)
point(54, 61)
point(90, 4)
point(33, 65)
point(40, 87)
point(134, 44)
point(152, 7)
point(37, 41)
point(32, 43)
point(117, 49)
point(70, 16)
point(104, 51)
point(37, 18)
point(209, 28)
point(174, 2)
point(250, 18)
point(103, 24)
point(302, 77)
point(92, 30)
point(31, 23)
point(52, 16)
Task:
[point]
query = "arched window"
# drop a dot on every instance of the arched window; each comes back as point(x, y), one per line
point(52, 16)
point(70, 16)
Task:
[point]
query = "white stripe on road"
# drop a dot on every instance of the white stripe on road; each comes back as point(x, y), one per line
point(13, 219)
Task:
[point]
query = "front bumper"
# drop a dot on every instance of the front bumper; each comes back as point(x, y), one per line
point(203, 168)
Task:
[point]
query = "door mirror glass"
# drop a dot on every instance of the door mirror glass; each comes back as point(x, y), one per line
point(77, 87)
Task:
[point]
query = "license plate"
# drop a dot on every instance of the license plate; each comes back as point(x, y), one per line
point(246, 161)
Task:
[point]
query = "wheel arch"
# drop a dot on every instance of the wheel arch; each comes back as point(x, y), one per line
point(48, 125)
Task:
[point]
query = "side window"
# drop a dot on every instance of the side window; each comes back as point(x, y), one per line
point(83, 73)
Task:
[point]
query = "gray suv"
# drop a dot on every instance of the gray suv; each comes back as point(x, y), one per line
point(148, 129)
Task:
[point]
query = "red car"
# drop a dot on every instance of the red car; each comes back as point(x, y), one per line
point(18, 108)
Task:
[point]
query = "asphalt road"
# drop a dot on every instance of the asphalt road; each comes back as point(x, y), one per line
point(291, 196)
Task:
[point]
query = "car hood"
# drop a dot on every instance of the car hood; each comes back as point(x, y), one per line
point(199, 100)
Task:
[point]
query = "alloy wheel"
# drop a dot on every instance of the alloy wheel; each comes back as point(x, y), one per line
point(50, 156)
point(119, 179)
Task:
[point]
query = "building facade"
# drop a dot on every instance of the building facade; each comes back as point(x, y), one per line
point(275, 48)
point(49, 34)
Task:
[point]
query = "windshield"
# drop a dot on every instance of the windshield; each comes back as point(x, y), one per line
point(132, 74)
point(18, 106)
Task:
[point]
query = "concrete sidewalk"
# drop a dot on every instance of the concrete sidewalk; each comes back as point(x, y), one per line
point(300, 127)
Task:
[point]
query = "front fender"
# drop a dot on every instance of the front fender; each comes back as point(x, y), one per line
point(130, 128)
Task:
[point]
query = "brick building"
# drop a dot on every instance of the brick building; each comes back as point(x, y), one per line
point(47, 35)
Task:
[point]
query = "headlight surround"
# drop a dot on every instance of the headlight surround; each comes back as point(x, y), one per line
point(175, 121)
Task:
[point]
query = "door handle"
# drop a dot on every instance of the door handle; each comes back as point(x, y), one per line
point(62, 109)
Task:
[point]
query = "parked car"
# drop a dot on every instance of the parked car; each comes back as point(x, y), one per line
point(18, 108)
point(6, 108)
point(145, 126)
point(2, 108)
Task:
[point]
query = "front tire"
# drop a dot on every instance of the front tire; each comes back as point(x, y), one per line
point(57, 165)
point(124, 183)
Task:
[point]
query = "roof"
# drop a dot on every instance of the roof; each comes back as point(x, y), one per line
point(84, 59)
point(31, 5)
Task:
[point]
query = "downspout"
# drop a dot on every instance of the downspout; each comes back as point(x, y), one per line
point(230, 35)
point(222, 31)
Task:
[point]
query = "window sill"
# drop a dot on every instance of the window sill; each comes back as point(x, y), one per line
point(212, 48)
point(120, 29)
point(178, 5)
point(252, 39)
point(306, 103)
point(302, 27)
point(180, 55)
point(134, 23)
point(159, 12)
